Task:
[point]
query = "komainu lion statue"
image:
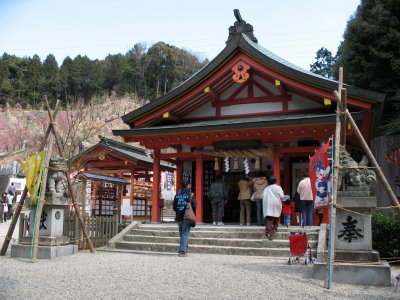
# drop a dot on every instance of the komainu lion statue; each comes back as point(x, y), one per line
point(357, 177)
point(55, 176)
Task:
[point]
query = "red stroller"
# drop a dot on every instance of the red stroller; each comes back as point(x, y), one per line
point(299, 246)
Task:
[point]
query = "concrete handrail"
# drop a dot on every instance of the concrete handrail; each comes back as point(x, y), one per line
point(120, 236)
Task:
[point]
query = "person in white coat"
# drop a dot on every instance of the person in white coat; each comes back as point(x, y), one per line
point(272, 206)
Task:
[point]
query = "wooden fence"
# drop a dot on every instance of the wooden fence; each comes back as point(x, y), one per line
point(100, 229)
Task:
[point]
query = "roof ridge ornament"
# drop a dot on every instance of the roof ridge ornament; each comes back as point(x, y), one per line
point(239, 27)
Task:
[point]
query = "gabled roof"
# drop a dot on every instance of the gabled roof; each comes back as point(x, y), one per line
point(97, 177)
point(242, 43)
point(215, 124)
point(125, 150)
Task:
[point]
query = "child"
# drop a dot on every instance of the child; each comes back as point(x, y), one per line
point(287, 210)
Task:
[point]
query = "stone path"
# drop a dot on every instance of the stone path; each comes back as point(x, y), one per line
point(113, 275)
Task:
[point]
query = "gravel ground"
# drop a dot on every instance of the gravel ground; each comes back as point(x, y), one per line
point(111, 275)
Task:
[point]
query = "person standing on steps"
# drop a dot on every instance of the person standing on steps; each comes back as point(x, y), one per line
point(183, 196)
point(219, 197)
point(259, 183)
point(306, 200)
point(272, 205)
point(244, 198)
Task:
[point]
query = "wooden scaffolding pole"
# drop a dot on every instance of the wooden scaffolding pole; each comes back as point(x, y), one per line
point(40, 203)
point(374, 163)
point(67, 173)
point(335, 183)
point(17, 213)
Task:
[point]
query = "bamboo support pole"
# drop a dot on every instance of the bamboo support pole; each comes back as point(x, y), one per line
point(335, 183)
point(374, 163)
point(40, 203)
point(67, 173)
point(17, 212)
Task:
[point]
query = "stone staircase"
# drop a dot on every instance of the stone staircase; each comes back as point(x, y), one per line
point(205, 238)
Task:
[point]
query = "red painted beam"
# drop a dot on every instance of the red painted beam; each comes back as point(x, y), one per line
point(252, 100)
point(171, 117)
point(208, 90)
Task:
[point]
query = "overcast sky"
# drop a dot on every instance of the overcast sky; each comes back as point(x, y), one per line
point(292, 29)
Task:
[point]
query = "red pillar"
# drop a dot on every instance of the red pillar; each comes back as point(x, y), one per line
point(179, 174)
point(199, 188)
point(155, 217)
point(277, 166)
point(286, 174)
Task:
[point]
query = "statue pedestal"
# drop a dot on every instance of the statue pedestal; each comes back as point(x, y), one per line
point(353, 244)
point(52, 243)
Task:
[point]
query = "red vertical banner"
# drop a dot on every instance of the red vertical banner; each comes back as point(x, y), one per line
point(320, 176)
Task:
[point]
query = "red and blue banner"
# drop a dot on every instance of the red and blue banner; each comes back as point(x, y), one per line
point(320, 176)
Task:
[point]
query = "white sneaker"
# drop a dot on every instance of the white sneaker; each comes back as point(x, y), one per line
point(221, 223)
point(214, 223)
point(248, 224)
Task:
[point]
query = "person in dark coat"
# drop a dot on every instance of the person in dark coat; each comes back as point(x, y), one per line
point(183, 196)
point(218, 196)
point(3, 207)
point(297, 207)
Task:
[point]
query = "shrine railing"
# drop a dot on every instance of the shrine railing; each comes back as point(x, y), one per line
point(99, 229)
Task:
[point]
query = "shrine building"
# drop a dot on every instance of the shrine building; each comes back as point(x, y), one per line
point(247, 110)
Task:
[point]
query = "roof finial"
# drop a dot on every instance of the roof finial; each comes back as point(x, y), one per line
point(240, 27)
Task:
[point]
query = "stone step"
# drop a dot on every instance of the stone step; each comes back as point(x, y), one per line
point(173, 247)
point(228, 242)
point(235, 228)
point(205, 233)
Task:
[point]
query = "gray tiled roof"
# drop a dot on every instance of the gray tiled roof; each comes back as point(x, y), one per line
point(128, 151)
point(237, 123)
point(104, 177)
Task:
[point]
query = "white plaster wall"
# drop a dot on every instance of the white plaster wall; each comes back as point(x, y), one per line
point(268, 85)
point(206, 110)
point(225, 95)
point(299, 102)
point(241, 109)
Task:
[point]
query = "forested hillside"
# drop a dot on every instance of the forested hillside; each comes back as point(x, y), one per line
point(146, 72)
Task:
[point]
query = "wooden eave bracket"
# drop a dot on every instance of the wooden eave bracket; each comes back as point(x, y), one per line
point(171, 117)
point(208, 90)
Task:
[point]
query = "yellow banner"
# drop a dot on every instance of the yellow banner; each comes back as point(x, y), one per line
point(33, 168)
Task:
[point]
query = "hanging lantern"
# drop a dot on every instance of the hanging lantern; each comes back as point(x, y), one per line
point(216, 164)
point(257, 164)
point(235, 163)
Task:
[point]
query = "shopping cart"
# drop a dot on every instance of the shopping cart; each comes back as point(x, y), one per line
point(299, 248)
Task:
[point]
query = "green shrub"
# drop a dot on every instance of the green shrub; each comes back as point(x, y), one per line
point(386, 235)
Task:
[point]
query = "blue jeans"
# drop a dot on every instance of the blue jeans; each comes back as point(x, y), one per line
point(184, 230)
point(286, 219)
point(260, 213)
point(307, 206)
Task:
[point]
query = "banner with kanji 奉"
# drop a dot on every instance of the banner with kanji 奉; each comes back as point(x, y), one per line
point(33, 168)
point(320, 176)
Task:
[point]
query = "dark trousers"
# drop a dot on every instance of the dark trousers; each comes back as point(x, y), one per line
point(260, 213)
point(218, 206)
point(271, 225)
point(10, 212)
point(3, 215)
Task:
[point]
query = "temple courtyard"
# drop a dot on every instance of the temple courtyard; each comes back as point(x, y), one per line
point(141, 275)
